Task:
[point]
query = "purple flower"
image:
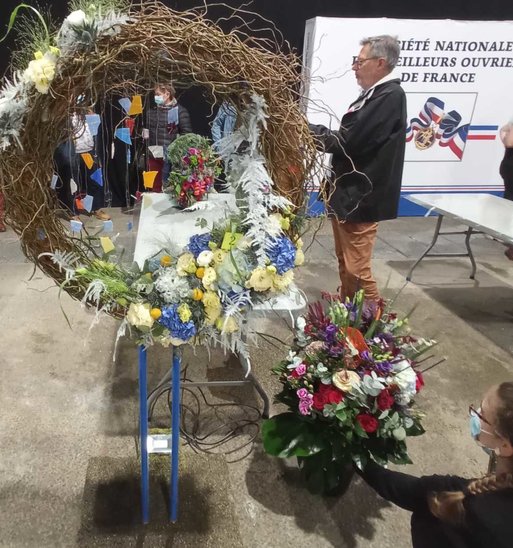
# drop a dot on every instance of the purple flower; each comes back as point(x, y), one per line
point(330, 331)
point(281, 253)
point(300, 369)
point(383, 368)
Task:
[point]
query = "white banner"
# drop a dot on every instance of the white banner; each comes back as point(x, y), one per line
point(458, 77)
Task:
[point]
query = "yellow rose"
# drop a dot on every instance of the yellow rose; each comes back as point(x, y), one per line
point(300, 257)
point(209, 277)
point(260, 280)
point(280, 283)
point(212, 305)
point(184, 312)
point(186, 264)
point(346, 380)
point(41, 72)
point(299, 243)
point(227, 325)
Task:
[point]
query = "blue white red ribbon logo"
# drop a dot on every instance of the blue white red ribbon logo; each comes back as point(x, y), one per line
point(445, 128)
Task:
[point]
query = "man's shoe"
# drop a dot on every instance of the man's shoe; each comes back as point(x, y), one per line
point(509, 253)
point(101, 215)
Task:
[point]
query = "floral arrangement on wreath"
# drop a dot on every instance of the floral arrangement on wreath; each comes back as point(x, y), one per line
point(349, 385)
point(198, 295)
point(194, 169)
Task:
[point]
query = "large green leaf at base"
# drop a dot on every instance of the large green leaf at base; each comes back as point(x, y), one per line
point(286, 435)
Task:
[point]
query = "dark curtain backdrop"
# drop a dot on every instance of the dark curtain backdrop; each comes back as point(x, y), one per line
point(289, 17)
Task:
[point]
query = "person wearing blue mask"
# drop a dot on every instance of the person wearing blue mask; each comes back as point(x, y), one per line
point(454, 512)
point(165, 122)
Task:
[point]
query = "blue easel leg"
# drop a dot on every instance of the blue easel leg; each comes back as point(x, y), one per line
point(143, 433)
point(175, 434)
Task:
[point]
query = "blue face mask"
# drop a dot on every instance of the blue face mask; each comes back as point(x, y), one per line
point(475, 431)
point(159, 100)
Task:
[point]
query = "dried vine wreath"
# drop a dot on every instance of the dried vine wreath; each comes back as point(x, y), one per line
point(150, 40)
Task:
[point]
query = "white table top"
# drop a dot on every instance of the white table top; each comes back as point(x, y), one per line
point(484, 212)
point(162, 225)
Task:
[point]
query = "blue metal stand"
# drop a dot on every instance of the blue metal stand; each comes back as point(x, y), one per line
point(175, 435)
point(143, 436)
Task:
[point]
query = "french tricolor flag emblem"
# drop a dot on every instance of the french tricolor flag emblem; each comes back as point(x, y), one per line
point(482, 133)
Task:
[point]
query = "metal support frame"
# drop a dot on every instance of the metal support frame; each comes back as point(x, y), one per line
point(468, 233)
point(174, 378)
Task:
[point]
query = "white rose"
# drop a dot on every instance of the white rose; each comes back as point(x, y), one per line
point(76, 18)
point(205, 258)
point(139, 315)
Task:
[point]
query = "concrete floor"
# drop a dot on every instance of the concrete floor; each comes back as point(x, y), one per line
point(68, 457)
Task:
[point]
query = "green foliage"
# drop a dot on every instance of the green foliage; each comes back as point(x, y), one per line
point(99, 7)
point(179, 147)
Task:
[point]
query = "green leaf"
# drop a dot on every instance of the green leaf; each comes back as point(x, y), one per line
point(286, 435)
point(13, 18)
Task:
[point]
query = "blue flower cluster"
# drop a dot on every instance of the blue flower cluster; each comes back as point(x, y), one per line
point(172, 321)
point(282, 254)
point(198, 243)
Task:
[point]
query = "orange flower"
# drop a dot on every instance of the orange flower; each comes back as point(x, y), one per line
point(355, 337)
point(200, 272)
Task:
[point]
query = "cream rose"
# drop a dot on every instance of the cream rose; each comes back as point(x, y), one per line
point(227, 325)
point(209, 277)
point(260, 280)
point(300, 257)
point(280, 283)
point(186, 264)
point(139, 315)
point(346, 380)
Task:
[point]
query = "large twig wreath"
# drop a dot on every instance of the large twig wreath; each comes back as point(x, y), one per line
point(154, 42)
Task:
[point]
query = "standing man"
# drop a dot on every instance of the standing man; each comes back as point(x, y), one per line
point(367, 165)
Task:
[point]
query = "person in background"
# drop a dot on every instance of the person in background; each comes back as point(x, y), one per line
point(455, 512)
point(224, 122)
point(367, 163)
point(506, 170)
point(84, 143)
point(165, 122)
point(223, 126)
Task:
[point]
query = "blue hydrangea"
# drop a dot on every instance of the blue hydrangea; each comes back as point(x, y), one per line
point(172, 321)
point(282, 254)
point(198, 243)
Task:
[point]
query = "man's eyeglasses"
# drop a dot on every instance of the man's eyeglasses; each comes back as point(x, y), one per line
point(358, 62)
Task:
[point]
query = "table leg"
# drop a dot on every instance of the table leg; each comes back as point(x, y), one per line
point(143, 436)
point(470, 254)
point(429, 248)
point(175, 434)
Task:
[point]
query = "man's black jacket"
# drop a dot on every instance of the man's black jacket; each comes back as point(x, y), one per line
point(371, 140)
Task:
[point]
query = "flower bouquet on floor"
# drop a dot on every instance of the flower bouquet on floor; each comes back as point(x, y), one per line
point(349, 385)
point(194, 167)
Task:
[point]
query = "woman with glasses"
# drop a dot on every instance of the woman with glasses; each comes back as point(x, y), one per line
point(454, 512)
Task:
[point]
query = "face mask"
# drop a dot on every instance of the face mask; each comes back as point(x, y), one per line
point(159, 100)
point(475, 430)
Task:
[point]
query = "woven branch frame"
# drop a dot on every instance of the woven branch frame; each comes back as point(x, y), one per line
point(183, 47)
